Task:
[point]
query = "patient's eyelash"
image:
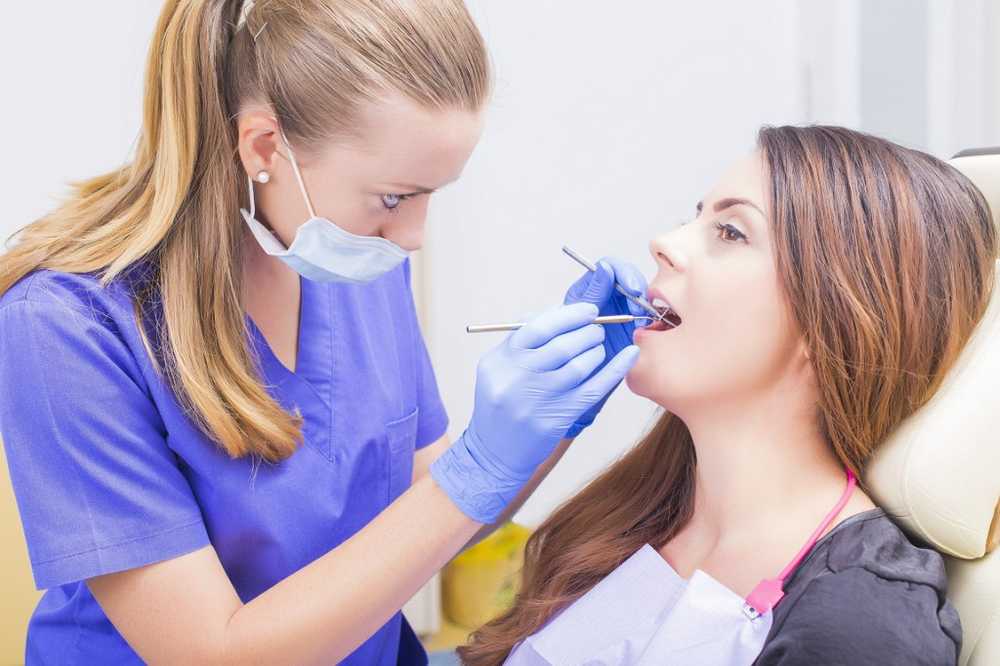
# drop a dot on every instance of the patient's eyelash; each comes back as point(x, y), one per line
point(729, 233)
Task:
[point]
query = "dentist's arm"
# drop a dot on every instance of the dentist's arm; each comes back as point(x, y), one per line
point(426, 456)
point(529, 391)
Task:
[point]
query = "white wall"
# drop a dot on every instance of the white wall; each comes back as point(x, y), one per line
point(963, 72)
point(72, 96)
point(925, 73)
point(829, 39)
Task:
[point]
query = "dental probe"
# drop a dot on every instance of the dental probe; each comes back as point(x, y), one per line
point(490, 328)
point(638, 300)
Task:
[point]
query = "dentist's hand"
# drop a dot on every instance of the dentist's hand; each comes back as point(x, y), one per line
point(598, 287)
point(529, 391)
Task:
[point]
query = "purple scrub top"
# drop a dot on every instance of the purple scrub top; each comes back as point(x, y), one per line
point(109, 473)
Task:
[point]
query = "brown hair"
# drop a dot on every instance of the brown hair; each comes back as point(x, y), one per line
point(887, 259)
point(176, 206)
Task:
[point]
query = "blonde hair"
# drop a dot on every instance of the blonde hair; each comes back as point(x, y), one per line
point(176, 205)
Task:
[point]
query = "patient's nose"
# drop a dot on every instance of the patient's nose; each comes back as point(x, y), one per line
point(667, 253)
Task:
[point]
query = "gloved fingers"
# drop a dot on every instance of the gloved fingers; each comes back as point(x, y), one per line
point(632, 280)
point(619, 336)
point(588, 417)
point(551, 324)
point(576, 370)
point(562, 349)
point(594, 287)
point(604, 381)
point(627, 275)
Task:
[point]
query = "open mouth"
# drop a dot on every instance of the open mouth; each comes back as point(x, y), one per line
point(669, 319)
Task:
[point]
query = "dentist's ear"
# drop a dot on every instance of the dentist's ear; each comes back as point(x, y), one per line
point(259, 136)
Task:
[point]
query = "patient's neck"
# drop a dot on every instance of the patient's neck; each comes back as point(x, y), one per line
point(761, 463)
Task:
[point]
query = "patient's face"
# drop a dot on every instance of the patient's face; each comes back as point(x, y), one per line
point(736, 339)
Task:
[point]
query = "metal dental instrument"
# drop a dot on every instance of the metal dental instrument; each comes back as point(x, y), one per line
point(638, 300)
point(490, 328)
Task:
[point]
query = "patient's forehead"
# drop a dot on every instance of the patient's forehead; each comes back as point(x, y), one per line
point(743, 180)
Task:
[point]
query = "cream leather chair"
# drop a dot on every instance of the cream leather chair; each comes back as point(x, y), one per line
point(939, 474)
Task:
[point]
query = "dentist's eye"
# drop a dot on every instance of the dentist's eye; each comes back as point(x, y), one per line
point(729, 233)
point(391, 201)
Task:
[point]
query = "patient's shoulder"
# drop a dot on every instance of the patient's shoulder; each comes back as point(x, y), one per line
point(866, 594)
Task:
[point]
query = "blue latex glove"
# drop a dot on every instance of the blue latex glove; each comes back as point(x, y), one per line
point(598, 287)
point(529, 390)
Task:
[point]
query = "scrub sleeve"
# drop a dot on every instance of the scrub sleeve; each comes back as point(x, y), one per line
point(98, 488)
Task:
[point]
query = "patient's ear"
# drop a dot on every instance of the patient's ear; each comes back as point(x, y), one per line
point(803, 358)
point(803, 369)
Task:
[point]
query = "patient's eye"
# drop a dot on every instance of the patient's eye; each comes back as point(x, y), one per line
point(729, 233)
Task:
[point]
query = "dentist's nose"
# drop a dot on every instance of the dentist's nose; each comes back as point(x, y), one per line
point(667, 254)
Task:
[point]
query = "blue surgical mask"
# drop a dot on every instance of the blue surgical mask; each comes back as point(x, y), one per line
point(323, 252)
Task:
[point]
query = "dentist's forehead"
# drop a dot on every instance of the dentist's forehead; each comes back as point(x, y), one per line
point(425, 147)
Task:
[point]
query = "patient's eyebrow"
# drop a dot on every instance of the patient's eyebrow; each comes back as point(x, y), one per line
point(729, 202)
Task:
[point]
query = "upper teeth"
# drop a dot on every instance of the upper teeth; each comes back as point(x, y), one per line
point(660, 304)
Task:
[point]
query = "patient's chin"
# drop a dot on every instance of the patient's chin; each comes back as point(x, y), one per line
point(651, 384)
point(643, 382)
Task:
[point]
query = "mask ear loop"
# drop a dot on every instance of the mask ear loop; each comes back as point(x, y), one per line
point(253, 205)
point(298, 175)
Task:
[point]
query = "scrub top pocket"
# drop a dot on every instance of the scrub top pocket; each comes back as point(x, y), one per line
point(402, 437)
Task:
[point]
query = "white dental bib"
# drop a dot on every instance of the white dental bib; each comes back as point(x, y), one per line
point(644, 614)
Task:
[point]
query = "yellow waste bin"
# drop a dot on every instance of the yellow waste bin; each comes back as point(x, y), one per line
point(481, 583)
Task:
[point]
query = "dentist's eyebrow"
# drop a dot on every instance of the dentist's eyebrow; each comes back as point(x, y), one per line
point(413, 189)
point(418, 189)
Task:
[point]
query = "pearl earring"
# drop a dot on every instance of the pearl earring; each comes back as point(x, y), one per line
point(263, 176)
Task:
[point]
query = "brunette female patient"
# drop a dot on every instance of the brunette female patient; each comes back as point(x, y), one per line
point(822, 292)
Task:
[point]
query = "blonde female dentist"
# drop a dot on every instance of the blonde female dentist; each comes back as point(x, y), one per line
point(222, 426)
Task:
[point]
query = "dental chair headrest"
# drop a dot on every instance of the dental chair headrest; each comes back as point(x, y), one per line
point(982, 167)
point(938, 474)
